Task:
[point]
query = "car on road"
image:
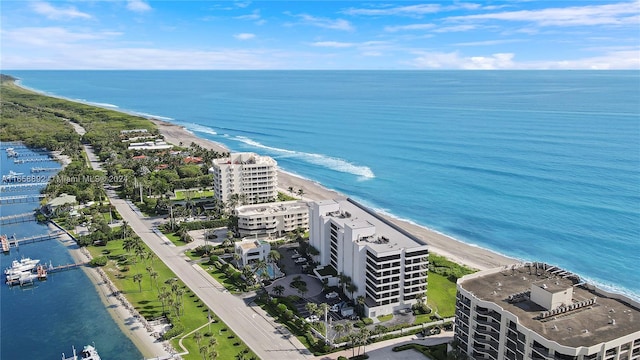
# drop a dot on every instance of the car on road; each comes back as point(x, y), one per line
point(312, 318)
point(300, 260)
point(331, 295)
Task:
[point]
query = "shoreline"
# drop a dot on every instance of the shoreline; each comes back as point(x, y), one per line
point(441, 244)
point(120, 310)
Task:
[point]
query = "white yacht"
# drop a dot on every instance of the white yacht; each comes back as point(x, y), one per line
point(88, 353)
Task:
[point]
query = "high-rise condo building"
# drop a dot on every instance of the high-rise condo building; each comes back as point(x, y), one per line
point(386, 265)
point(250, 176)
point(541, 312)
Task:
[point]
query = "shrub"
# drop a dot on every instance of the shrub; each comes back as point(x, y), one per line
point(173, 332)
point(99, 261)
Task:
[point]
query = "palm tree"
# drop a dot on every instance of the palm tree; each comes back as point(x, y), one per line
point(290, 188)
point(311, 307)
point(339, 329)
point(138, 278)
point(351, 287)
point(300, 192)
point(302, 289)
point(126, 231)
point(364, 338)
point(154, 276)
point(163, 296)
point(197, 336)
point(274, 256)
point(278, 290)
point(360, 300)
point(203, 352)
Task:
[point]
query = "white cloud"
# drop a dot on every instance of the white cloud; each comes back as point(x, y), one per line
point(409, 27)
point(333, 44)
point(47, 37)
point(453, 60)
point(621, 60)
point(255, 15)
point(244, 36)
point(54, 13)
point(417, 10)
point(487, 42)
point(455, 28)
point(138, 6)
point(609, 14)
point(335, 24)
point(410, 10)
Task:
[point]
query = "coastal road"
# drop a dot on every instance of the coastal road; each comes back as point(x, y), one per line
point(266, 338)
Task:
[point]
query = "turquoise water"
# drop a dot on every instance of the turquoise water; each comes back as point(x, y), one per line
point(538, 165)
point(45, 320)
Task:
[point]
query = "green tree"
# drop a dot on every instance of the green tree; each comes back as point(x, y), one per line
point(278, 290)
point(138, 278)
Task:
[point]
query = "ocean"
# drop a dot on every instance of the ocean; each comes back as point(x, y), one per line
point(49, 318)
point(537, 165)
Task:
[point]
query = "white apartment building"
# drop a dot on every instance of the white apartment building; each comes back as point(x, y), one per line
point(387, 265)
point(246, 174)
point(252, 251)
point(537, 311)
point(272, 219)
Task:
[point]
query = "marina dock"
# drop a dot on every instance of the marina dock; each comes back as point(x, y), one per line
point(17, 218)
point(4, 200)
point(30, 160)
point(23, 186)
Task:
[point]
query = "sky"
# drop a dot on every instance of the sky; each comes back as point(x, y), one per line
point(374, 34)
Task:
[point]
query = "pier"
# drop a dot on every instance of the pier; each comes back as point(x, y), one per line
point(18, 218)
point(44, 169)
point(9, 242)
point(54, 269)
point(22, 187)
point(30, 160)
point(4, 200)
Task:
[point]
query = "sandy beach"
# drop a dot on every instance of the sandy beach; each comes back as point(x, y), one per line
point(457, 251)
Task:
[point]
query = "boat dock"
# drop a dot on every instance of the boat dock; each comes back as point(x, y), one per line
point(18, 218)
point(30, 160)
point(4, 200)
point(8, 243)
point(23, 186)
point(41, 273)
point(44, 169)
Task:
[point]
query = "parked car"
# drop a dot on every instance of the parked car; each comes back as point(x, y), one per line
point(332, 295)
point(335, 307)
point(295, 256)
point(312, 318)
point(300, 260)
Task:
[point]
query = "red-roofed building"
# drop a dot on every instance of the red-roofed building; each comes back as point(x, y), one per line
point(193, 160)
point(139, 157)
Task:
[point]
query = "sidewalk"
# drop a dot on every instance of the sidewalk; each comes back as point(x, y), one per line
point(382, 350)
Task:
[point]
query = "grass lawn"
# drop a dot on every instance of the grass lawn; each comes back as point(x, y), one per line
point(385, 317)
point(144, 298)
point(441, 295)
point(194, 194)
point(175, 239)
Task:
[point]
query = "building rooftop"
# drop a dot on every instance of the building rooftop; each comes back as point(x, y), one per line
point(271, 208)
point(387, 236)
point(247, 158)
point(595, 316)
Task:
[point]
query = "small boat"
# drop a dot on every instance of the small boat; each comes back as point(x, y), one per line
point(12, 177)
point(88, 353)
point(23, 265)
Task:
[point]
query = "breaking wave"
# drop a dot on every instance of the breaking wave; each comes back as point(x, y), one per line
point(336, 164)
